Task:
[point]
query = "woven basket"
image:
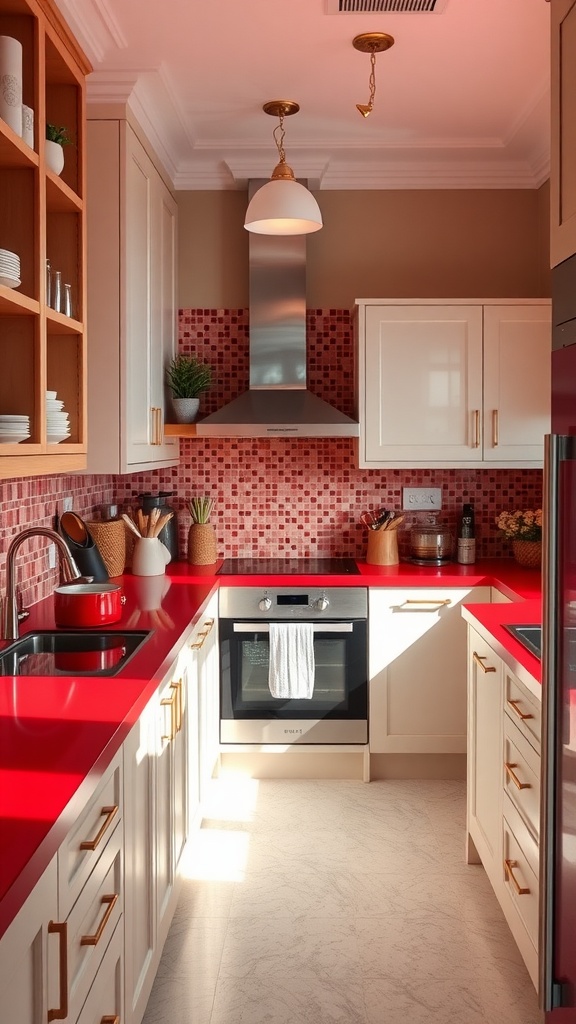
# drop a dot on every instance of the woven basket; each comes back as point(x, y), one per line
point(528, 553)
point(110, 539)
point(202, 544)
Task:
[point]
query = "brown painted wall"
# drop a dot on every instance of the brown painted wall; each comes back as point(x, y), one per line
point(438, 243)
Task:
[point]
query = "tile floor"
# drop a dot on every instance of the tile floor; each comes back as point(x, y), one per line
point(330, 902)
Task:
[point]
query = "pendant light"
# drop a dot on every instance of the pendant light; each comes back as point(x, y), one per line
point(372, 43)
point(282, 206)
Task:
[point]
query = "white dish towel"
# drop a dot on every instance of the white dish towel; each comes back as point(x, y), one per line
point(291, 665)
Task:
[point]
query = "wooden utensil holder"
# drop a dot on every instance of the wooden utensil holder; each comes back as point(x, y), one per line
point(382, 547)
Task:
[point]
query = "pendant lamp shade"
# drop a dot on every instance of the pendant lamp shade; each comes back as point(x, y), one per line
point(282, 206)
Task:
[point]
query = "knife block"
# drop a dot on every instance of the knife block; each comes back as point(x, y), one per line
point(382, 547)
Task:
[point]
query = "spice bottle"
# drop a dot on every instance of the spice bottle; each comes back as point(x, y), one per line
point(466, 537)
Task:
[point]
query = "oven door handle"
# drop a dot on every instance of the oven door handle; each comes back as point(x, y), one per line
point(264, 627)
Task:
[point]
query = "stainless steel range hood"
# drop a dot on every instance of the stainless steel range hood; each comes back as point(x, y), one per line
point(278, 403)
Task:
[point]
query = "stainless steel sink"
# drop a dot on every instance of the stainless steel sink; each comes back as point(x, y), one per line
point(529, 636)
point(61, 653)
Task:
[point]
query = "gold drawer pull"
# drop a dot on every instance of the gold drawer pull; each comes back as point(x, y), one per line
point(480, 659)
point(209, 624)
point(93, 940)
point(179, 713)
point(512, 775)
point(437, 604)
point(509, 865)
point(521, 714)
point(110, 812)
point(170, 702)
point(200, 642)
point(110, 1018)
point(61, 929)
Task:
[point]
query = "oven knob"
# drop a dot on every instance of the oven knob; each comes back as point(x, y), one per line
point(322, 603)
point(265, 604)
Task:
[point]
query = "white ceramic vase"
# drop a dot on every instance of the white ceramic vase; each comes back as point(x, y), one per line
point(54, 156)
point(11, 82)
point(150, 557)
point(185, 409)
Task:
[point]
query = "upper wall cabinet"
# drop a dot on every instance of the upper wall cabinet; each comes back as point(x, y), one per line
point(563, 141)
point(131, 301)
point(42, 337)
point(453, 384)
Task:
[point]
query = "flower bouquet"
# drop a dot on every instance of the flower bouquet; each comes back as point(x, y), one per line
point(524, 529)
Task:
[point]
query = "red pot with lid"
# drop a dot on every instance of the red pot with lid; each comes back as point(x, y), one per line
point(87, 605)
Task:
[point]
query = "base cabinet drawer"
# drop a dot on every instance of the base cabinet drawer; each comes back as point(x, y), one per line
point(104, 1002)
point(93, 921)
point(521, 777)
point(523, 709)
point(519, 857)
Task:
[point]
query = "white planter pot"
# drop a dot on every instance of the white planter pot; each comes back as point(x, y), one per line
point(185, 409)
point(54, 156)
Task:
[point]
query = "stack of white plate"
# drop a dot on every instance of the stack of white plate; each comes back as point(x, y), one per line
point(57, 422)
point(14, 429)
point(9, 268)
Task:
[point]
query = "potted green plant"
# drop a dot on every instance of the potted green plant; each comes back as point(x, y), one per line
point(187, 378)
point(56, 139)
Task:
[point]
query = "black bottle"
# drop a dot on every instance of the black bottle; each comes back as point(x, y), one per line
point(466, 537)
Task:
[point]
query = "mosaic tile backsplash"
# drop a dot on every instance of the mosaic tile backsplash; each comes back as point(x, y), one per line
point(274, 497)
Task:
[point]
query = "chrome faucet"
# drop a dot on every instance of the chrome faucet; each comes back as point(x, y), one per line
point(68, 572)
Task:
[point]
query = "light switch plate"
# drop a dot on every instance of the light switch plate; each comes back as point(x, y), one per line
point(417, 499)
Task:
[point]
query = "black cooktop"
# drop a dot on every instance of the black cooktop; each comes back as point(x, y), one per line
point(289, 567)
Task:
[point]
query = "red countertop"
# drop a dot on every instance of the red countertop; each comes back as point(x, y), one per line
point(59, 734)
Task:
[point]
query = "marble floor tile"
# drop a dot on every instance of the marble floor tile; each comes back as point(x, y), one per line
point(336, 902)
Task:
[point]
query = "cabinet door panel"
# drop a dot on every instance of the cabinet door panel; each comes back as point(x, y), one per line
point(138, 300)
point(517, 363)
point(29, 957)
point(563, 147)
point(417, 670)
point(485, 753)
point(423, 383)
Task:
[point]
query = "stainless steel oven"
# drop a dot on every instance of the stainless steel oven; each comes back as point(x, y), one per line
point(337, 711)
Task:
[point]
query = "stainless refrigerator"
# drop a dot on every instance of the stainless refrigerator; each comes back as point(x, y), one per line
point(558, 825)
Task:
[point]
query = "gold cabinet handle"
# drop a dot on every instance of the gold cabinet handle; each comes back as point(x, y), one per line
point(509, 865)
point(179, 707)
point(110, 1018)
point(61, 929)
point(110, 813)
point(437, 604)
point(480, 659)
point(476, 441)
point(200, 642)
point(495, 428)
point(170, 702)
point(93, 940)
point(512, 775)
point(209, 624)
point(524, 715)
point(156, 425)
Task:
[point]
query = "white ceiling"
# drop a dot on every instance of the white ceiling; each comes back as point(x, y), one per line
point(462, 98)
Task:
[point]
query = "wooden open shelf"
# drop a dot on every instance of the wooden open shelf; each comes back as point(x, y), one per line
point(180, 430)
point(42, 216)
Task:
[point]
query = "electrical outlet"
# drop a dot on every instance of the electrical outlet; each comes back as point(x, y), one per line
point(51, 556)
point(67, 504)
point(417, 499)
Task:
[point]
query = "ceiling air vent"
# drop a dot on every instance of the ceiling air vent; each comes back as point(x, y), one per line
point(385, 6)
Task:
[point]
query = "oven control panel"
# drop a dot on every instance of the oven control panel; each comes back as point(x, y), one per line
point(293, 603)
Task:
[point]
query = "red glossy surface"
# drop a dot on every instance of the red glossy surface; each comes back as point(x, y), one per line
point(57, 735)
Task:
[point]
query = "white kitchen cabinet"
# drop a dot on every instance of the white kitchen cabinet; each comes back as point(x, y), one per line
point(484, 789)
point(205, 646)
point(503, 791)
point(156, 830)
point(132, 307)
point(453, 383)
point(563, 131)
point(417, 658)
point(30, 957)
point(52, 953)
point(105, 1001)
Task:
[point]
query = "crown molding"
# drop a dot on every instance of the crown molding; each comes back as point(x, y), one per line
point(95, 26)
